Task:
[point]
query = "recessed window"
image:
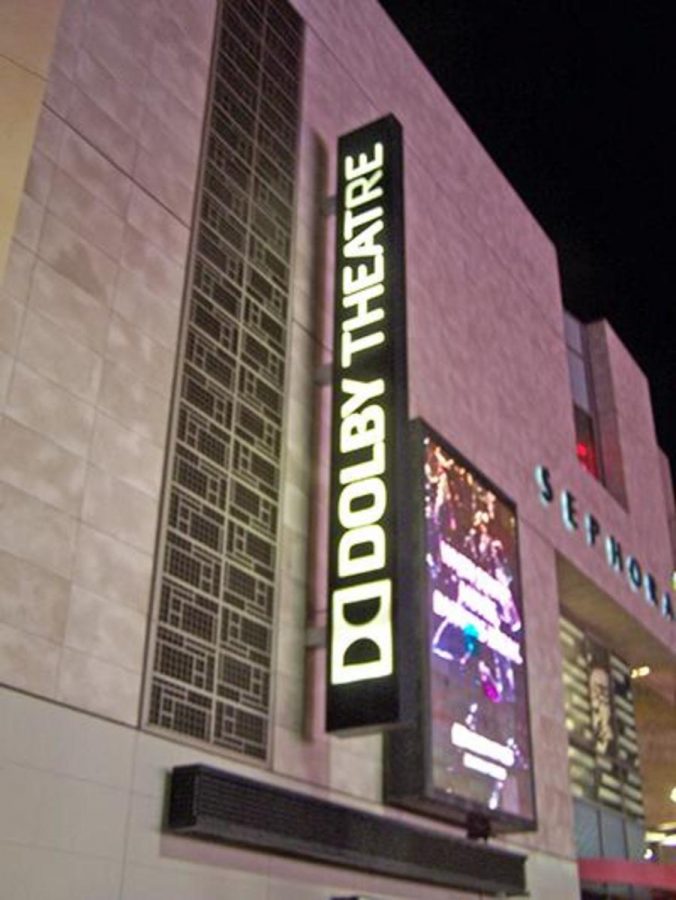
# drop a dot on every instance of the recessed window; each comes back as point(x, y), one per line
point(585, 442)
point(586, 432)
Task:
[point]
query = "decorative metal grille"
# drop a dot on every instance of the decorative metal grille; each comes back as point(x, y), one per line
point(212, 643)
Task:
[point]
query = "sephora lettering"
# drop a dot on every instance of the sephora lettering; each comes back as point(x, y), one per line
point(589, 526)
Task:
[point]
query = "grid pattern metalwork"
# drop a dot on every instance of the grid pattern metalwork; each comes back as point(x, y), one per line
point(212, 642)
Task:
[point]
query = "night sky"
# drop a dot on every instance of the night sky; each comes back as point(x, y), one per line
point(574, 101)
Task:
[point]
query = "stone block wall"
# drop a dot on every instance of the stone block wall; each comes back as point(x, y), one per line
point(90, 306)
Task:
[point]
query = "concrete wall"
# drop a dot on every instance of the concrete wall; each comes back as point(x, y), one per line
point(27, 32)
point(485, 340)
point(83, 804)
point(487, 369)
point(91, 302)
point(90, 308)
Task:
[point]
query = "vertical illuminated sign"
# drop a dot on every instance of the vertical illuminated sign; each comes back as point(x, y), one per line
point(369, 432)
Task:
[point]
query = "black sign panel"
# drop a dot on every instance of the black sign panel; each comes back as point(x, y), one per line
point(369, 433)
point(212, 804)
point(469, 757)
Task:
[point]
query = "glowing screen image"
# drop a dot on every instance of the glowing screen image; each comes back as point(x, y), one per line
point(479, 741)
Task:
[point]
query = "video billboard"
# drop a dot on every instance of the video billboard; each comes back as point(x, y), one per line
point(473, 735)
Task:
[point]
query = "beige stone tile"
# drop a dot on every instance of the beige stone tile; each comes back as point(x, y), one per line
point(82, 316)
point(144, 834)
point(94, 172)
point(289, 703)
point(299, 758)
point(18, 272)
point(73, 18)
point(194, 18)
point(38, 466)
point(39, 734)
point(11, 319)
point(50, 351)
point(34, 531)
point(100, 687)
point(108, 631)
point(552, 877)
point(149, 361)
point(155, 756)
point(182, 69)
point(135, 405)
point(115, 56)
point(21, 790)
point(171, 882)
point(354, 774)
point(28, 662)
point(161, 184)
point(116, 508)
point(110, 93)
point(64, 56)
point(27, 29)
point(81, 817)
point(15, 867)
point(295, 556)
point(169, 149)
point(92, 219)
point(112, 569)
point(50, 134)
point(63, 875)
point(162, 229)
point(392, 888)
point(154, 314)
point(39, 177)
point(290, 649)
point(292, 890)
point(174, 115)
point(32, 599)
point(77, 259)
point(160, 274)
point(101, 130)
point(295, 514)
point(42, 405)
point(6, 367)
point(128, 24)
point(58, 93)
point(127, 455)
point(21, 95)
point(29, 223)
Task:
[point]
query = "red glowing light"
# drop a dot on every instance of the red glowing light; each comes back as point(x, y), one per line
point(586, 455)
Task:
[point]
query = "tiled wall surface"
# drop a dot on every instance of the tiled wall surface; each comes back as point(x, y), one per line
point(487, 369)
point(458, 216)
point(89, 311)
point(27, 33)
point(484, 300)
point(82, 821)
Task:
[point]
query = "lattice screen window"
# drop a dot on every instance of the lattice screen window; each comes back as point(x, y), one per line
point(214, 607)
point(602, 741)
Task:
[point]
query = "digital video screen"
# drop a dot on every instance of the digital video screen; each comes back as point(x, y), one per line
point(480, 740)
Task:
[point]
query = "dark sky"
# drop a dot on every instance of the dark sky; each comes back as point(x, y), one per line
point(575, 101)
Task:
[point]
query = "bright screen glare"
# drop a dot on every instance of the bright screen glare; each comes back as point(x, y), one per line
point(480, 741)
